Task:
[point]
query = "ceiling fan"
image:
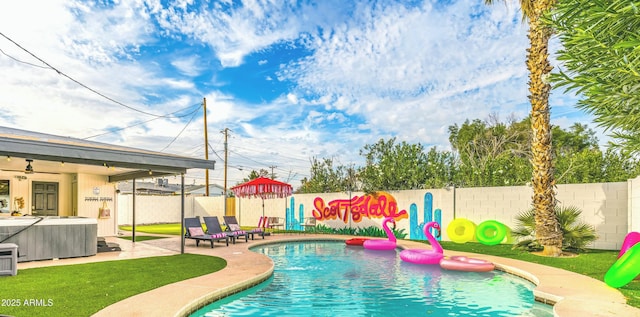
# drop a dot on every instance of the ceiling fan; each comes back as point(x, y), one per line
point(29, 169)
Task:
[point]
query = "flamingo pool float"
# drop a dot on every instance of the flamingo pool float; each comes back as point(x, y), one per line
point(379, 244)
point(424, 256)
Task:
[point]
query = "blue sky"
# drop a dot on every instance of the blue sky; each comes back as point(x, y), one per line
point(291, 80)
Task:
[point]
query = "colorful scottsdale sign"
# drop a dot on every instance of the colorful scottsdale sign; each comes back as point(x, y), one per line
point(377, 205)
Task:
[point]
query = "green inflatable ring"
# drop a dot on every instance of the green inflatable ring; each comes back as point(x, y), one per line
point(491, 232)
point(625, 269)
point(461, 230)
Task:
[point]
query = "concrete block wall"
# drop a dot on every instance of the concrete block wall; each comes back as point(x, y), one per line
point(612, 208)
point(166, 209)
point(633, 204)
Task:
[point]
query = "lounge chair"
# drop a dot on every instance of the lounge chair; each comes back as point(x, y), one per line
point(213, 227)
point(275, 222)
point(232, 225)
point(309, 223)
point(194, 231)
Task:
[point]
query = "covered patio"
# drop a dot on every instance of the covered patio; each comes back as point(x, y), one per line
point(63, 177)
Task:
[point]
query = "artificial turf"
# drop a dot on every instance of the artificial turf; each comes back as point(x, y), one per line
point(84, 289)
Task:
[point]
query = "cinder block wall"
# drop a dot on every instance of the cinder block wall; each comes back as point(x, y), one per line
point(633, 207)
point(166, 209)
point(612, 208)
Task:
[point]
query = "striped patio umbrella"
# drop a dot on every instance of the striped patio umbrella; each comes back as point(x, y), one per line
point(264, 188)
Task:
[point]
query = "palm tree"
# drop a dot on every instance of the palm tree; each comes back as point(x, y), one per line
point(548, 232)
point(601, 59)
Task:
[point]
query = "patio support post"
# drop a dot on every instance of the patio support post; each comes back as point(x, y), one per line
point(133, 222)
point(182, 214)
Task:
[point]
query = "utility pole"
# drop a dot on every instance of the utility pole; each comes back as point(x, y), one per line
point(273, 176)
point(206, 147)
point(226, 156)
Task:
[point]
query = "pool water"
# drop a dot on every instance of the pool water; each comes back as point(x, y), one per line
point(331, 279)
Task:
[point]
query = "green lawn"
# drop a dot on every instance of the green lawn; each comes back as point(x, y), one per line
point(164, 228)
point(141, 238)
point(84, 289)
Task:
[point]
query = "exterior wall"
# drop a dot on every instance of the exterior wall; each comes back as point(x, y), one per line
point(95, 192)
point(607, 206)
point(633, 213)
point(20, 185)
point(166, 209)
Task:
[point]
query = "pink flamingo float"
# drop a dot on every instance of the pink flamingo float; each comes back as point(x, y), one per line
point(627, 267)
point(630, 240)
point(425, 256)
point(379, 244)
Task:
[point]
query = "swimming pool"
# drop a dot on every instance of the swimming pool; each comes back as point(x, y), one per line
point(322, 278)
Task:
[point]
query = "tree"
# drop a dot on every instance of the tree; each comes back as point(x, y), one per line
point(601, 61)
point(548, 231)
point(491, 153)
point(391, 166)
point(578, 138)
point(255, 174)
point(327, 178)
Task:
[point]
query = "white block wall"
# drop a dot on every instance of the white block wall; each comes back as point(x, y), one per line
point(612, 208)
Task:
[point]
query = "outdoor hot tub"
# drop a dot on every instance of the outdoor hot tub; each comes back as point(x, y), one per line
point(45, 238)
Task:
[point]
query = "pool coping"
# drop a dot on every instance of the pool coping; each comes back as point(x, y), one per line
point(570, 293)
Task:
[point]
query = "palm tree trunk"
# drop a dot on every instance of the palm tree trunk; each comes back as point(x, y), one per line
point(548, 231)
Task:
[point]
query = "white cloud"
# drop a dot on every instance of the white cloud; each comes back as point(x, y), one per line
point(234, 33)
point(189, 66)
point(414, 68)
point(373, 69)
point(292, 98)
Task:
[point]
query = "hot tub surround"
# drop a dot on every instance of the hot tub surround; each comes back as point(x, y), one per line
point(53, 237)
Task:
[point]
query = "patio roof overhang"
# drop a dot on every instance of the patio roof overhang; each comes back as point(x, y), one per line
point(119, 163)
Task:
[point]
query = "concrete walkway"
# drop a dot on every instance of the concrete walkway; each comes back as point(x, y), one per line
point(573, 294)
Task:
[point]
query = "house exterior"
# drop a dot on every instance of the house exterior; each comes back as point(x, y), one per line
point(55, 176)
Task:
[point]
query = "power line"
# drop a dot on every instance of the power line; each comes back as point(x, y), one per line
point(143, 122)
point(20, 61)
point(79, 83)
point(185, 127)
point(257, 150)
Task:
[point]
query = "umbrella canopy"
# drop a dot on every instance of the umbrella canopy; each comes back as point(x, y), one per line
point(262, 187)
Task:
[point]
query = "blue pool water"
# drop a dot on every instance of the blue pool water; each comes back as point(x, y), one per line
point(331, 279)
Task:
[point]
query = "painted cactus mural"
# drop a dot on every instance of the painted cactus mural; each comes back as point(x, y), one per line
point(416, 228)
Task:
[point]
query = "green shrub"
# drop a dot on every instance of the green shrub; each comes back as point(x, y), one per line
point(576, 235)
point(368, 231)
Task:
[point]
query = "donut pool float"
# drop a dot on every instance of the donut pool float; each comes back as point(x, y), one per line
point(461, 230)
point(463, 263)
point(491, 232)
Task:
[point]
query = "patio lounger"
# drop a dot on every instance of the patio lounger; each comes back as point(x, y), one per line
point(275, 222)
point(194, 231)
point(213, 227)
point(232, 224)
point(309, 223)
